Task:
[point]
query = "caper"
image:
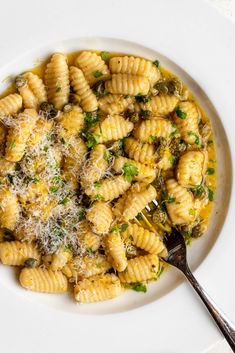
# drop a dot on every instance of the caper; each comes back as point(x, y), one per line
point(8, 235)
point(68, 108)
point(132, 116)
point(177, 146)
point(197, 231)
point(145, 114)
point(159, 216)
point(48, 110)
point(20, 81)
point(99, 88)
point(171, 87)
point(31, 262)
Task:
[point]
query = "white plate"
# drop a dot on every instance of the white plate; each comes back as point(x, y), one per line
point(175, 322)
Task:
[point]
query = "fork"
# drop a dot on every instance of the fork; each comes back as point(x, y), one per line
point(177, 257)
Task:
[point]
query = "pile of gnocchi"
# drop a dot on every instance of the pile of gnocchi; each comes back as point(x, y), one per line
point(101, 155)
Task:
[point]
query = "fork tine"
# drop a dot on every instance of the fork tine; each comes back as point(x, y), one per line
point(148, 209)
point(155, 202)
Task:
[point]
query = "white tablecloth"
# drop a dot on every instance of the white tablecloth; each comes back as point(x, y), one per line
point(227, 8)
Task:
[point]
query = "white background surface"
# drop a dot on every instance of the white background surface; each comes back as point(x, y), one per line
point(34, 329)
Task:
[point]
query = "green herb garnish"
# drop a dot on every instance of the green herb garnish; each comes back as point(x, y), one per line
point(153, 138)
point(156, 63)
point(197, 139)
point(191, 212)
point(63, 201)
point(182, 115)
point(211, 171)
point(130, 171)
point(105, 55)
point(97, 74)
point(142, 98)
point(54, 188)
point(58, 89)
point(210, 194)
point(139, 217)
point(123, 227)
point(92, 140)
point(139, 287)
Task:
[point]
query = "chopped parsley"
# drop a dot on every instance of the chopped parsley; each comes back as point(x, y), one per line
point(92, 140)
point(142, 98)
point(191, 212)
point(156, 63)
point(139, 217)
point(198, 190)
point(139, 287)
point(98, 184)
point(130, 171)
point(98, 197)
point(105, 55)
point(211, 171)
point(12, 145)
point(197, 139)
point(97, 74)
point(58, 89)
point(54, 188)
point(123, 227)
point(131, 238)
point(107, 155)
point(210, 194)
point(117, 229)
point(153, 138)
point(182, 115)
point(63, 201)
point(45, 148)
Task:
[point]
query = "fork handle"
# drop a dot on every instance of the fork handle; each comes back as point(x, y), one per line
point(225, 326)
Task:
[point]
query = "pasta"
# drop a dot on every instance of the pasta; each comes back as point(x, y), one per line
point(31, 89)
point(93, 67)
point(114, 127)
point(72, 161)
point(134, 66)
point(88, 240)
point(187, 118)
point(109, 189)
point(127, 84)
point(101, 156)
point(191, 168)
point(115, 103)
point(140, 269)
point(181, 209)
point(10, 104)
point(150, 130)
point(140, 152)
point(95, 167)
point(137, 199)
point(86, 267)
point(88, 100)
point(57, 80)
point(143, 239)
point(18, 136)
point(42, 280)
point(143, 172)
point(9, 209)
point(115, 250)
point(100, 215)
point(15, 253)
point(70, 123)
point(98, 288)
point(163, 104)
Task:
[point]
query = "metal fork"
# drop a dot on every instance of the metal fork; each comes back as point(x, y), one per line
point(176, 257)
